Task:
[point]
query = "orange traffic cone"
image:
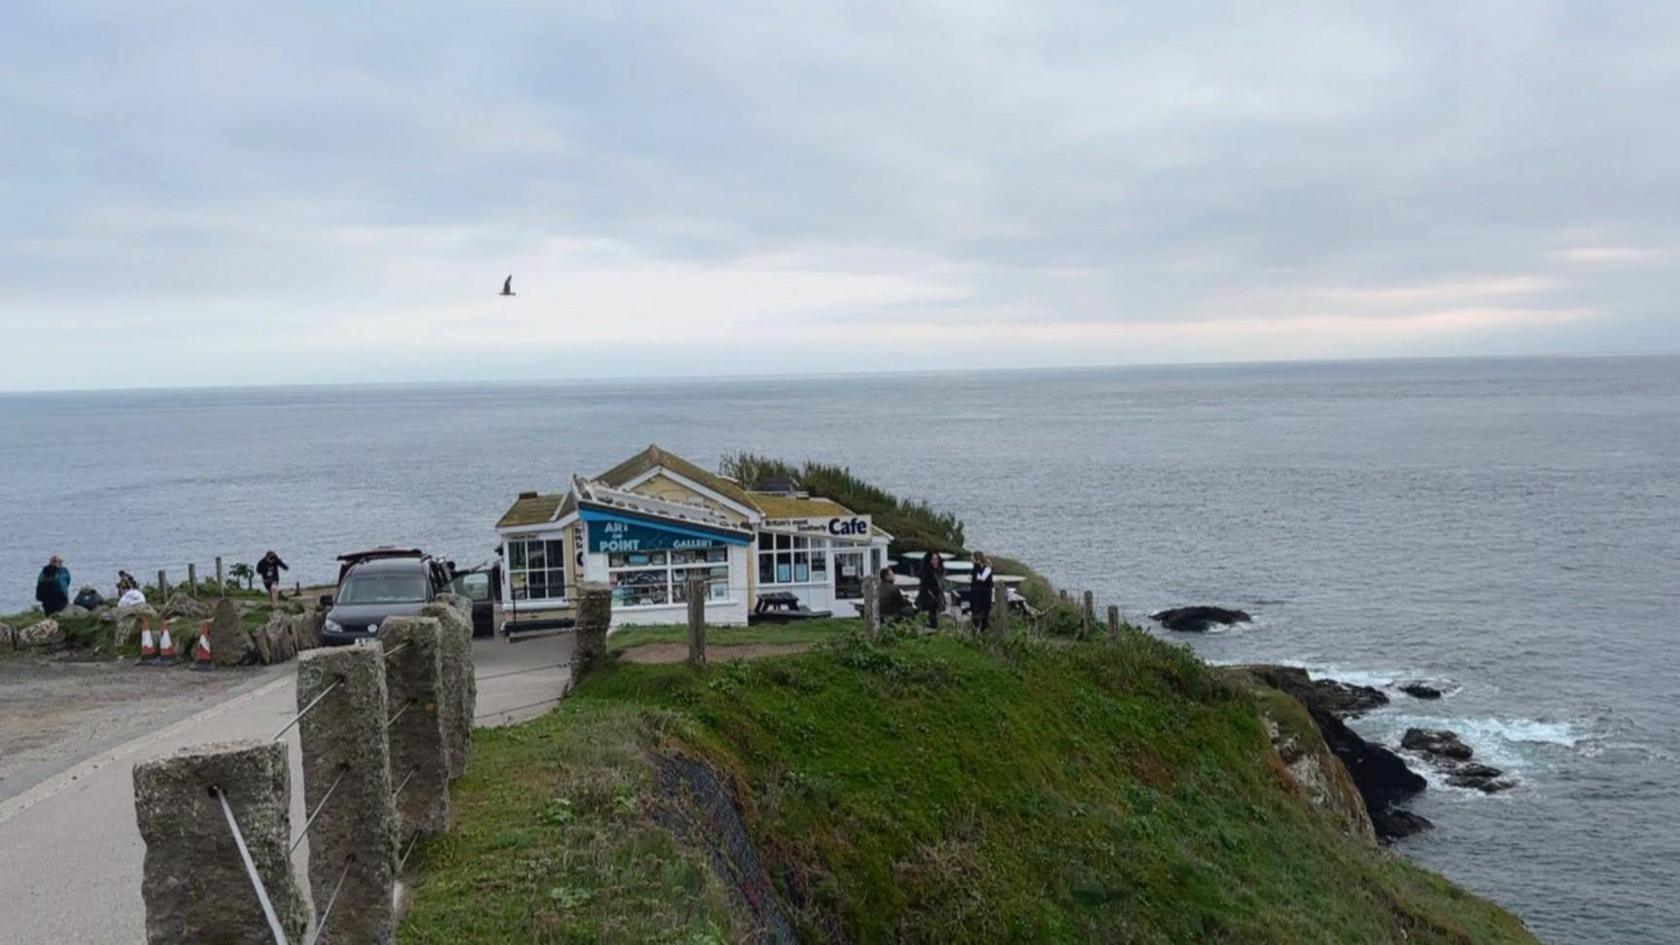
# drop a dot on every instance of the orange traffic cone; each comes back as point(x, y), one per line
point(148, 649)
point(166, 647)
point(201, 649)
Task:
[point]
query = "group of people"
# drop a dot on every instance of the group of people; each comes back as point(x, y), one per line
point(931, 589)
point(52, 585)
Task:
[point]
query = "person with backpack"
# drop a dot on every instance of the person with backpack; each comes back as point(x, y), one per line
point(52, 587)
point(269, 568)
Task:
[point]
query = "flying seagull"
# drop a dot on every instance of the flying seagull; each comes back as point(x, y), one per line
point(507, 287)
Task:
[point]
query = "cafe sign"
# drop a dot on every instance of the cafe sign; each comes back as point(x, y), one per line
point(833, 526)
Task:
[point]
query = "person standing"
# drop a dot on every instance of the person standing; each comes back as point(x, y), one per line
point(52, 587)
point(980, 593)
point(269, 568)
point(931, 596)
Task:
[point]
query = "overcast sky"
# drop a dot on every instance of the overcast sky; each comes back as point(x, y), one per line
point(285, 193)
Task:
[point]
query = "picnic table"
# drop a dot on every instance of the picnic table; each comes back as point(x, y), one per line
point(783, 607)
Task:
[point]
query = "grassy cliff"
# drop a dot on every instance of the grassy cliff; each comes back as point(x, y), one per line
point(926, 789)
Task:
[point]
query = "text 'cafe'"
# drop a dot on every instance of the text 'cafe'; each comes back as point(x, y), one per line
point(649, 524)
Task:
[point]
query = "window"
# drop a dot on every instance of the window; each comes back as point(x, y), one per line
point(652, 578)
point(377, 588)
point(537, 569)
point(792, 559)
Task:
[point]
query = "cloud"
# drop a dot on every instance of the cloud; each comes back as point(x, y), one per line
point(1045, 183)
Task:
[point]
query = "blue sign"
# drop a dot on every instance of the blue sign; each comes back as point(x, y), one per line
point(626, 537)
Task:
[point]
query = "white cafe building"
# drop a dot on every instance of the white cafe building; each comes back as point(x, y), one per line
point(653, 521)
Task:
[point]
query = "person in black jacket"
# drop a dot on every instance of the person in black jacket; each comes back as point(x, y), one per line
point(270, 567)
point(931, 596)
point(980, 593)
point(52, 588)
point(889, 600)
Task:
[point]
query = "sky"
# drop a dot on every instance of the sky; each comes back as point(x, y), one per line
point(234, 193)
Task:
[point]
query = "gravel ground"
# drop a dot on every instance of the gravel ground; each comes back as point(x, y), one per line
point(54, 712)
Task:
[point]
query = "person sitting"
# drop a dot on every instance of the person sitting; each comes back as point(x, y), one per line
point(889, 600)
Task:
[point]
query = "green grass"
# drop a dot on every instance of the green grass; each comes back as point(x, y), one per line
point(927, 789)
point(805, 631)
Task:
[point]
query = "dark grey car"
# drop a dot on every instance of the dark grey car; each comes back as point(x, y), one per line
point(375, 588)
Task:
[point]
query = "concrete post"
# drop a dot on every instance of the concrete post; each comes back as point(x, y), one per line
point(1000, 609)
point(344, 737)
point(1087, 615)
point(220, 586)
point(594, 616)
point(460, 687)
point(419, 763)
point(696, 622)
point(195, 885)
point(872, 607)
point(192, 580)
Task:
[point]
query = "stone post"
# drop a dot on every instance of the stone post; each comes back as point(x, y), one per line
point(1000, 609)
point(594, 616)
point(872, 607)
point(344, 738)
point(696, 622)
point(460, 688)
point(194, 882)
point(419, 763)
point(230, 644)
point(1113, 622)
point(1087, 615)
point(192, 580)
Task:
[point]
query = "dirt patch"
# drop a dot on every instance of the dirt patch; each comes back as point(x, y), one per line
point(56, 711)
point(677, 652)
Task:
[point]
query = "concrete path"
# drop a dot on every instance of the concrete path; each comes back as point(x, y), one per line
point(71, 855)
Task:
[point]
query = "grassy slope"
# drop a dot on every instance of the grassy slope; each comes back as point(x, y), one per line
point(931, 789)
point(805, 631)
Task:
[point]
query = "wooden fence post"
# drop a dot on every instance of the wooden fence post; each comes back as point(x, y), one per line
point(1113, 622)
point(192, 579)
point(871, 607)
point(163, 586)
point(1087, 615)
point(696, 621)
point(221, 587)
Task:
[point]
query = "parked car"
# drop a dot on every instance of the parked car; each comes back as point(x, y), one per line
point(374, 585)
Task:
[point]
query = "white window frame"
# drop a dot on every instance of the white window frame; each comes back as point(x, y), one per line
point(819, 568)
point(549, 568)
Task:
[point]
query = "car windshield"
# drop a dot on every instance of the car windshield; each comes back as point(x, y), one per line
point(383, 589)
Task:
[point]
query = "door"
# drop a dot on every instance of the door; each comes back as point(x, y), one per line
point(480, 587)
point(848, 575)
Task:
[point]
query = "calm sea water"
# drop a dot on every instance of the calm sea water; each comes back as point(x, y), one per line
point(1507, 528)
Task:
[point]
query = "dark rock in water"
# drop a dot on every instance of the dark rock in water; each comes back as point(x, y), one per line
point(1419, 690)
point(1327, 695)
point(1484, 778)
point(1382, 777)
point(1393, 823)
point(1439, 742)
point(1197, 619)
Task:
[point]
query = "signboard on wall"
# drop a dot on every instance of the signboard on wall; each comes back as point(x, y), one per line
point(854, 527)
point(625, 537)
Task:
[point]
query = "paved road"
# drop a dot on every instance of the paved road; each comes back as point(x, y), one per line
point(71, 855)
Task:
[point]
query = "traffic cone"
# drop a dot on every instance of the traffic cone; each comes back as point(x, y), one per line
point(166, 646)
point(148, 648)
point(201, 649)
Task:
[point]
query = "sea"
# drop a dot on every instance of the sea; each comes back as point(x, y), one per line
point(1505, 529)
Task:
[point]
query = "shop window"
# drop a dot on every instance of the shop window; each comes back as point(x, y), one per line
point(653, 578)
point(537, 569)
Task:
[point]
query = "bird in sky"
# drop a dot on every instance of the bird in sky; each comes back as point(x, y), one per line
point(507, 286)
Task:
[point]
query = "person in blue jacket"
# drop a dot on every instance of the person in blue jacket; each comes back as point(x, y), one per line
point(52, 588)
